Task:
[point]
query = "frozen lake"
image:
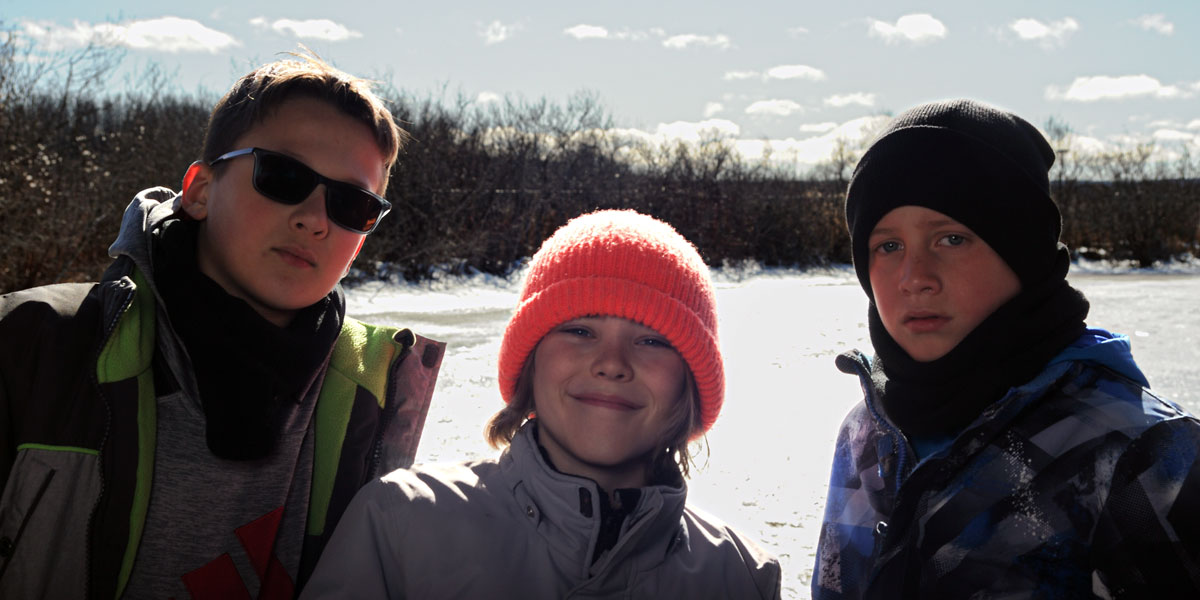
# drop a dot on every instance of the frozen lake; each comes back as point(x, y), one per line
point(769, 453)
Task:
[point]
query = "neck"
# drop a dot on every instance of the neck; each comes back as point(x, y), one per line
point(634, 473)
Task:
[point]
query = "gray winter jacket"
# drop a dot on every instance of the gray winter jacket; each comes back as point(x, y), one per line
point(517, 528)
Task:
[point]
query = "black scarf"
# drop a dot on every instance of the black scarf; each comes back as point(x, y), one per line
point(1007, 349)
point(251, 374)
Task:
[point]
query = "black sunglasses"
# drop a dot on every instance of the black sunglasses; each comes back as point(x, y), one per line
point(289, 181)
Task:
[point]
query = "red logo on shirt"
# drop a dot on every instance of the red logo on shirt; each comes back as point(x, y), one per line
point(219, 579)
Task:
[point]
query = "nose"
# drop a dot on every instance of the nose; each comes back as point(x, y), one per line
point(310, 216)
point(612, 362)
point(919, 274)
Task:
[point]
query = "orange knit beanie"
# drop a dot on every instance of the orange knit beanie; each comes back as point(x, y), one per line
point(624, 264)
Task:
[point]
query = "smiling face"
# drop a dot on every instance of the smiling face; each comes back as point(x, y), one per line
point(280, 258)
point(604, 391)
point(934, 280)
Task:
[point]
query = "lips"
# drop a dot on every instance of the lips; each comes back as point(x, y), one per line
point(924, 321)
point(297, 256)
point(607, 401)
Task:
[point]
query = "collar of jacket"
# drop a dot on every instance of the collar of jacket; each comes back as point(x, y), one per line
point(551, 502)
point(974, 436)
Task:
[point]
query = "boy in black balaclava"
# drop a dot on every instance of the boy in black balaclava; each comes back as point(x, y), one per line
point(1003, 447)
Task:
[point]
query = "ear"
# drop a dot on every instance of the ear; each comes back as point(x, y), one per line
point(197, 183)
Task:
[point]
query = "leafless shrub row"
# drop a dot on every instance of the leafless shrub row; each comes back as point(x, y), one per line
point(482, 185)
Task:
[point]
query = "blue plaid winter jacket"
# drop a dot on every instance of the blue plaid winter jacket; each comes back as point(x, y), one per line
point(1078, 484)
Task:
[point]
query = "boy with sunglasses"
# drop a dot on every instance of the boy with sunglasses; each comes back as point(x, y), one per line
point(194, 424)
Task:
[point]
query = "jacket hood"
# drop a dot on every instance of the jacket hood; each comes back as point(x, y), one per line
point(1113, 350)
point(144, 214)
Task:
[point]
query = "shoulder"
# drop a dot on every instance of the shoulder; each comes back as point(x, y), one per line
point(448, 506)
point(436, 484)
point(63, 316)
point(721, 543)
point(708, 531)
point(1149, 523)
point(1098, 398)
point(57, 302)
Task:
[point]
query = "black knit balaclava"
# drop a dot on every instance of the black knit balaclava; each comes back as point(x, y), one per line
point(987, 169)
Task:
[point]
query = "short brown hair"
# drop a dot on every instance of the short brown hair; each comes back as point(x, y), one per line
point(253, 97)
point(672, 450)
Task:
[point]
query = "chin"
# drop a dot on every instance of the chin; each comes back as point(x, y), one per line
point(924, 352)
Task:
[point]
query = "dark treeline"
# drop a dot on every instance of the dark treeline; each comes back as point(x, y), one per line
point(480, 187)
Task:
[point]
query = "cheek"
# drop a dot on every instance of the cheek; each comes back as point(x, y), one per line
point(345, 245)
point(669, 381)
point(884, 295)
point(546, 371)
point(989, 295)
point(990, 286)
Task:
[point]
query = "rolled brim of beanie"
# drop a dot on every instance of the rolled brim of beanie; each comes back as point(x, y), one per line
point(603, 296)
point(964, 179)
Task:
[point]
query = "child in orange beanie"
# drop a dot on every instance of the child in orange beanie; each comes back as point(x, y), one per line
point(609, 367)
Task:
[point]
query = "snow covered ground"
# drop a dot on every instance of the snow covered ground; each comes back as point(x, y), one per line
point(767, 464)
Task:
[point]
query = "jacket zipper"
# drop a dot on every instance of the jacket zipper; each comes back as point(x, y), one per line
point(385, 419)
point(902, 450)
point(108, 331)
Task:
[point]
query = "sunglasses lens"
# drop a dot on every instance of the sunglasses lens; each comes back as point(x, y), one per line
point(289, 181)
point(282, 178)
point(353, 208)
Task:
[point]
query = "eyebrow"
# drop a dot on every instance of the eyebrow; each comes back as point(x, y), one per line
point(932, 223)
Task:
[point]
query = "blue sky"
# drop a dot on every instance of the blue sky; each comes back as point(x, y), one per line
point(793, 75)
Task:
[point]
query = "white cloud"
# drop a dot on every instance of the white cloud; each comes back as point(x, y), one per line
point(1103, 87)
point(1171, 136)
point(1194, 124)
point(497, 32)
point(797, 30)
point(917, 28)
point(684, 40)
point(584, 32)
point(1047, 34)
point(811, 151)
point(488, 98)
point(734, 75)
point(695, 132)
point(788, 153)
point(795, 72)
point(712, 108)
point(54, 37)
point(817, 127)
point(316, 29)
point(779, 72)
point(1085, 144)
point(1157, 23)
point(168, 34)
point(780, 108)
point(860, 98)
